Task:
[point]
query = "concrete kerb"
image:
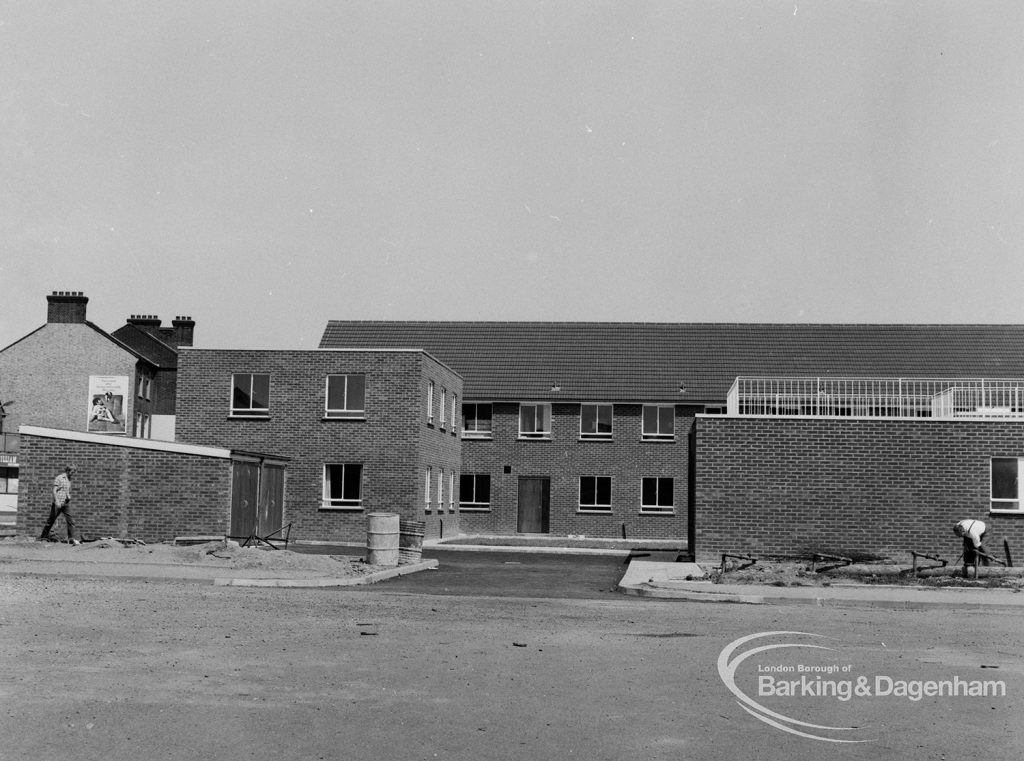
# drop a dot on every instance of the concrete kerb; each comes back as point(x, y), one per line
point(668, 581)
point(348, 581)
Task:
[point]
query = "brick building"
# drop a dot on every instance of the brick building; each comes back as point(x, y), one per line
point(160, 345)
point(613, 429)
point(126, 487)
point(364, 431)
point(69, 374)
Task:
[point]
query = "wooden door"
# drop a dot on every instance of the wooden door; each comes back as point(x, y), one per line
point(534, 505)
point(271, 506)
point(245, 479)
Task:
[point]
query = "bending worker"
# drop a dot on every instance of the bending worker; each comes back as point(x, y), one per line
point(973, 534)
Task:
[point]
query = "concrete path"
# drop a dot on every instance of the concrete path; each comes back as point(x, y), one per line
point(217, 575)
point(669, 581)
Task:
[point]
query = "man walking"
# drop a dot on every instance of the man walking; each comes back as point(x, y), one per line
point(62, 505)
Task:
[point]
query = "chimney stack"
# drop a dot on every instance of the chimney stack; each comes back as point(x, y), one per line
point(183, 329)
point(148, 323)
point(66, 306)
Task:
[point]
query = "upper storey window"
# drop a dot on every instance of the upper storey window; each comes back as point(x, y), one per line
point(250, 395)
point(535, 421)
point(346, 396)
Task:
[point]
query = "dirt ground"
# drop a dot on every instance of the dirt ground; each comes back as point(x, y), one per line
point(221, 554)
point(797, 574)
point(123, 670)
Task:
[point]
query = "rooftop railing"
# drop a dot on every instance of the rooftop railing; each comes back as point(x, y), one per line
point(878, 397)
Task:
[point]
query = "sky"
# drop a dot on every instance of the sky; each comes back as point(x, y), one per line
point(265, 167)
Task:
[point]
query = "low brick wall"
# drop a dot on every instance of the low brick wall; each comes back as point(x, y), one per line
point(124, 490)
point(848, 487)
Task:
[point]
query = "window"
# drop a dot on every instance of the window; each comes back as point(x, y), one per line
point(444, 405)
point(138, 425)
point(596, 493)
point(535, 421)
point(142, 386)
point(8, 480)
point(455, 412)
point(149, 387)
point(1005, 484)
point(595, 421)
point(430, 401)
point(659, 422)
point(475, 491)
point(343, 486)
point(426, 492)
point(451, 491)
point(657, 495)
point(440, 490)
point(147, 427)
point(476, 421)
point(346, 396)
point(250, 395)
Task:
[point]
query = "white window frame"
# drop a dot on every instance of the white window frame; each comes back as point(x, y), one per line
point(345, 412)
point(259, 412)
point(595, 434)
point(451, 491)
point(443, 407)
point(430, 401)
point(440, 489)
point(8, 480)
point(596, 507)
point(1006, 504)
point(535, 434)
point(426, 492)
point(149, 387)
point(342, 503)
point(455, 412)
point(479, 507)
point(658, 435)
point(656, 508)
point(477, 433)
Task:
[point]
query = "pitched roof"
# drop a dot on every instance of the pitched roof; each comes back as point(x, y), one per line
point(113, 339)
point(156, 351)
point(651, 361)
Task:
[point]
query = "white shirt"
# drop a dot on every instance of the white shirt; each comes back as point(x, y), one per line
point(972, 530)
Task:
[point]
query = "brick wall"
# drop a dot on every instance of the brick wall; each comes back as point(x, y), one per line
point(47, 375)
point(847, 487)
point(393, 443)
point(566, 457)
point(440, 447)
point(124, 491)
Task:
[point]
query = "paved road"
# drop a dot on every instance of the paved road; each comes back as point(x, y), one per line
point(505, 574)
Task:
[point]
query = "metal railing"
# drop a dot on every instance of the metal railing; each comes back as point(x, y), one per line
point(878, 397)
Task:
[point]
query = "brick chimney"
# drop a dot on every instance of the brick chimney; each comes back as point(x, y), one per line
point(183, 329)
point(66, 306)
point(148, 323)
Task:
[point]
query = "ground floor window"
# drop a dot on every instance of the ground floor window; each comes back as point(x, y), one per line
point(1005, 484)
point(343, 484)
point(657, 495)
point(8, 480)
point(596, 493)
point(475, 491)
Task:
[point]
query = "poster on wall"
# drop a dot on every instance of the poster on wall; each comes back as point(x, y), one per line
point(107, 395)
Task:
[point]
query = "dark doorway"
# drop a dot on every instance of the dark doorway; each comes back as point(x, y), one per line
point(534, 505)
